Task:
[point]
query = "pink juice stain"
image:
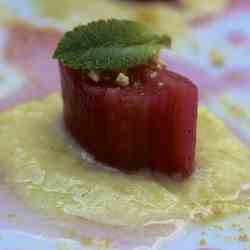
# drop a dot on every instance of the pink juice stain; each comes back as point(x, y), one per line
point(30, 49)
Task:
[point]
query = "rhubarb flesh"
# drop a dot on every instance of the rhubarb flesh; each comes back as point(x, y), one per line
point(150, 122)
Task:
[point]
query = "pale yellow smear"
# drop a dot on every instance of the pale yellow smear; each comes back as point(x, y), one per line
point(198, 8)
point(5, 14)
point(160, 17)
point(47, 170)
point(235, 110)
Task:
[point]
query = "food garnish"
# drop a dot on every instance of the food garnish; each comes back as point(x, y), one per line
point(122, 104)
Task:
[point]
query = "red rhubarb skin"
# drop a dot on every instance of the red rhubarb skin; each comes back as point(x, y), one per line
point(151, 122)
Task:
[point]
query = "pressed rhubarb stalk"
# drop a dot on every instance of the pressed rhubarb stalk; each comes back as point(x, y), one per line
point(121, 103)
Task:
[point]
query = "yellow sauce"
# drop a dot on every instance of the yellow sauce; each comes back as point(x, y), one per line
point(163, 19)
point(82, 10)
point(160, 17)
point(197, 8)
point(47, 170)
point(5, 14)
point(235, 110)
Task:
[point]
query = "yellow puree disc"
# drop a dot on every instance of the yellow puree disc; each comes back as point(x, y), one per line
point(47, 170)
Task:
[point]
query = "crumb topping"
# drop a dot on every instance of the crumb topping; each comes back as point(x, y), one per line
point(153, 74)
point(160, 84)
point(122, 80)
point(203, 242)
point(137, 84)
point(94, 76)
point(217, 58)
point(161, 64)
point(244, 237)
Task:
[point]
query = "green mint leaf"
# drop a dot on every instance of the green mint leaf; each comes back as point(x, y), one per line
point(110, 45)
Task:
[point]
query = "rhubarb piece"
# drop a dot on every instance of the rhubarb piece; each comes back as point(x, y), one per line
point(174, 118)
point(128, 112)
point(110, 122)
point(150, 122)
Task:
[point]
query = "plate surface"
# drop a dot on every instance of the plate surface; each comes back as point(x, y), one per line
point(213, 51)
